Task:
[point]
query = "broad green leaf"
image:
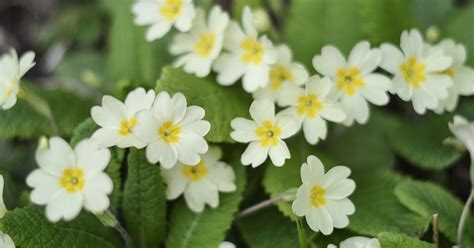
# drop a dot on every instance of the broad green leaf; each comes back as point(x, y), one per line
point(22, 121)
point(222, 104)
point(394, 240)
point(144, 201)
point(422, 143)
point(456, 29)
point(206, 229)
point(377, 208)
point(85, 130)
point(268, 229)
point(130, 56)
point(427, 198)
point(28, 227)
point(312, 24)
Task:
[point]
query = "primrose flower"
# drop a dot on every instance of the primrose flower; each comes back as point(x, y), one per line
point(246, 55)
point(200, 183)
point(322, 198)
point(69, 180)
point(464, 132)
point(161, 15)
point(358, 242)
point(312, 106)
point(173, 131)
point(5, 240)
point(202, 44)
point(355, 79)
point(461, 75)
point(117, 119)
point(265, 133)
point(11, 71)
point(283, 72)
point(417, 70)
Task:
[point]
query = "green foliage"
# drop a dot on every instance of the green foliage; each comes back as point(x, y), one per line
point(206, 229)
point(239, 5)
point(268, 229)
point(456, 29)
point(422, 143)
point(222, 104)
point(22, 121)
point(85, 68)
point(29, 228)
point(144, 201)
point(435, 15)
point(377, 208)
point(427, 199)
point(83, 131)
point(393, 240)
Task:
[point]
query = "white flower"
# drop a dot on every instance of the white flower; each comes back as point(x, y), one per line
point(68, 179)
point(416, 71)
point(11, 71)
point(162, 14)
point(462, 75)
point(358, 242)
point(322, 198)
point(5, 240)
point(464, 132)
point(226, 244)
point(117, 119)
point(312, 107)
point(245, 55)
point(282, 73)
point(356, 83)
point(200, 183)
point(265, 134)
point(173, 131)
point(202, 44)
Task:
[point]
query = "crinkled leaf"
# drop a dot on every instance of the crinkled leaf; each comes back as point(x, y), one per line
point(206, 229)
point(377, 208)
point(222, 104)
point(28, 227)
point(422, 143)
point(24, 122)
point(144, 201)
point(395, 240)
point(427, 198)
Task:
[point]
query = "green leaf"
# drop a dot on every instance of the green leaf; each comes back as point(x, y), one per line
point(268, 229)
point(85, 130)
point(377, 208)
point(427, 199)
point(435, 15)
point(238, 7)
point(312, 24)
point(82, 68)
point(222, 104)
point(130, 56)
point(422, 143)
point(393, 240)
point(206, 229)
point(456, 29)
point(144, 201)
point(28, 227)
point(22, 121)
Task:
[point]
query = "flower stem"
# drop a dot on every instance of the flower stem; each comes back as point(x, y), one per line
point(288, 195)
point(108, 219)
point(39, 105)
point(464, 215)
point(434, 220)
point(301, 234)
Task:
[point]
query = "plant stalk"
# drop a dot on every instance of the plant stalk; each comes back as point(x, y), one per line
point(108, 219)
point(39, 105)
point(464, 215)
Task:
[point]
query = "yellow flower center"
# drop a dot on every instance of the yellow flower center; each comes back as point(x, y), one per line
point(10, 86)
point(278, 75)
point(253, 51)
point(72, 180)
point(309, 105)
point(268, 133)
point(169, 132)
point(127, 125)
point(195, 172)
point(413, 72)
point(449, 72)
point(349, 80)
point(171, 9)
point(205, 44)
point(317, 196)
